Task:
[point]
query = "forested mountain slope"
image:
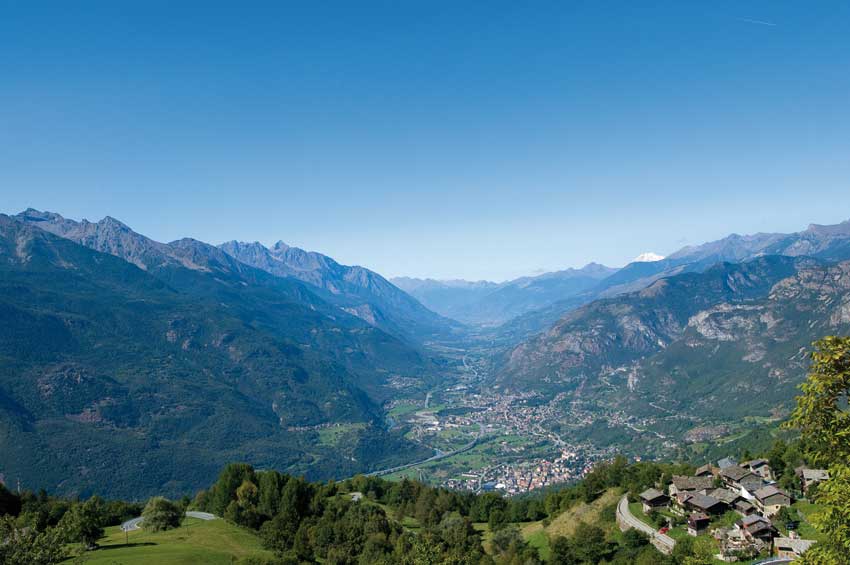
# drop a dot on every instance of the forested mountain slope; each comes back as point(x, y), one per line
point(148, 381)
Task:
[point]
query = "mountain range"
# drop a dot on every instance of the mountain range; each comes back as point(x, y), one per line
point(172, 359)
point(490, 304)
point(135, 366)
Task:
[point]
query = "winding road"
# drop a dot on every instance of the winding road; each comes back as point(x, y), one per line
point(437, 457)
point(133, 524)
point(627, 520)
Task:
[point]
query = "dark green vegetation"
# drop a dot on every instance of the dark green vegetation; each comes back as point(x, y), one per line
point(133, 382)
point(823, 418)
point(361, 520)
point(161, 514)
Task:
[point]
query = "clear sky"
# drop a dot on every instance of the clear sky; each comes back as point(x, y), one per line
point(475, 139)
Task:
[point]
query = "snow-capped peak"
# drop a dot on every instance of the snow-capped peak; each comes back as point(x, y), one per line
point(648, 257)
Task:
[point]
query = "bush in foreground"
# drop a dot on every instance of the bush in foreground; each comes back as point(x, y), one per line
point(161, 514)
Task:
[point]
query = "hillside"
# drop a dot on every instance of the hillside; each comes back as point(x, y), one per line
point(134, 381)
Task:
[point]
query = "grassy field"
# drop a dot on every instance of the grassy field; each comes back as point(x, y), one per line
point(565, 524)
point(212, 542)
point(333, 435)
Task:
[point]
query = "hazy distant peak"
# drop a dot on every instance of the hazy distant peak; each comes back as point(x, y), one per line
point(647, 257)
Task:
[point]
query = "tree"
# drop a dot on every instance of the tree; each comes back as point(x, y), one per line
point(161, 514)
point(27, 546)
point(589, 543)
point(224, 490)
point(822, 417)
point(83, 523)
point(563, 552)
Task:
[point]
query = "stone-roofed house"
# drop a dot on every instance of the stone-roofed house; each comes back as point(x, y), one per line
point(727, 462)
point(792, 547)
point(809, 477)
point(744, 508)
point(683, 483)
point(734, 474)
point(696, 502)
point(729, 496)
point(705, 471)
point(653, 499)
point(698, 524)
point(756, 527)
point(760, 467)
point(770, 499)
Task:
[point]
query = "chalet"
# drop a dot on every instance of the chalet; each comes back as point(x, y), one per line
point(809, 477)
point(705, 471)
point(725, 495)
point(698, 524)
point(791, 547)
point(749, 485)
point(744, 508)
point(653, 499)
point(756, 527)
point(760, 467)
point(695, 502)
point(770, 499)
point(690, 484)
point(734, 474)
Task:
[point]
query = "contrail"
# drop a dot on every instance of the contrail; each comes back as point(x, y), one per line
point(757, 22)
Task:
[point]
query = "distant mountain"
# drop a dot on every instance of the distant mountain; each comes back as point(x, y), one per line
point(721, 344)
point(356, 290)
point(146, 366)
point(824, 242)
point(489, 304)
point(449, 298)
point(647, 257)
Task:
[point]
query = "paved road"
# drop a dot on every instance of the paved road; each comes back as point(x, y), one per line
point(437, 457)
point(133, 524)
point(661, 541)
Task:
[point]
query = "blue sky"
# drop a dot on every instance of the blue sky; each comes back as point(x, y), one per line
point(447, 139)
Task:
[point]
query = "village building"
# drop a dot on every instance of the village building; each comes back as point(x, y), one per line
point(733, 475)
point(727, 462)
point(683, 483)
point(791, 547)
point(728, 496)
point(698, 523)
point(653, 499)
point(756, 527)
point(744, 508)
point(705, 471)
point(770, 499)
point(760, 467)
point(696, 502)
point(809, 477)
